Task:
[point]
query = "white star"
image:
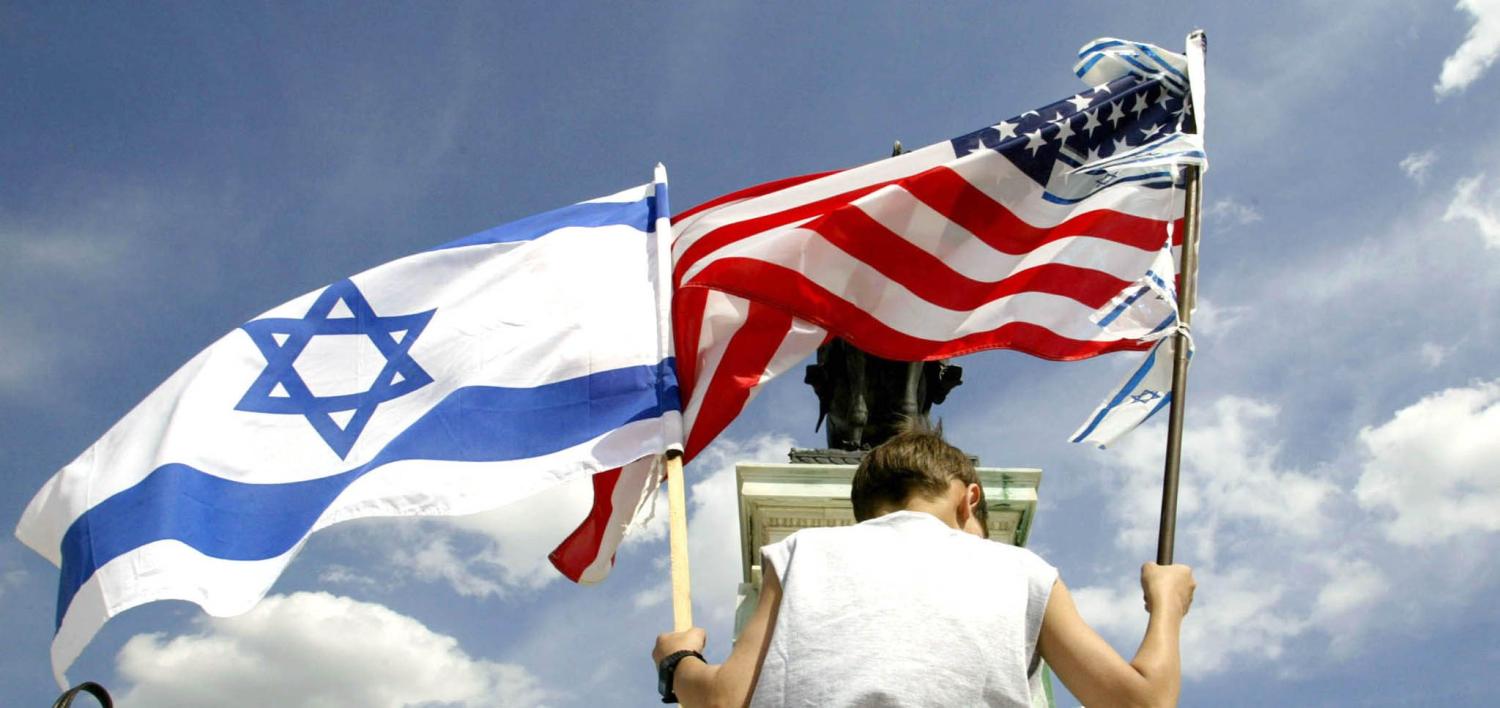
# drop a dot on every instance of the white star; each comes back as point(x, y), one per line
point(1035, 141)
point(1140, 103)
point(1093, 155)
point(1065, 131)
point(1079, 102)
point(1007, 129)
point(1102, 88)
point(1091, 121)
point(1116, 114)
point(1147, 132)
point(1120, 146)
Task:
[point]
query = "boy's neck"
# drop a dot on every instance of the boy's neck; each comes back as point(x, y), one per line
point(942, 509)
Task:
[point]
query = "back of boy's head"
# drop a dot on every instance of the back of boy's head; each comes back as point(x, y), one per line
point(917, 461)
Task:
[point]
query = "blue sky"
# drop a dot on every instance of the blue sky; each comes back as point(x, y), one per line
point(172, 172)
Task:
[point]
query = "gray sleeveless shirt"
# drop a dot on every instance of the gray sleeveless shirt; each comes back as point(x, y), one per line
point(903, 610)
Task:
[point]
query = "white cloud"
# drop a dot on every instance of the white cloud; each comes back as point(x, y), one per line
point(1477, 53)
point(1433, 466)
point(1353, 591)
point(11, 579)
point(1433, 354)
point(27, 358)
point(1234, 615)
point(1210, 319)
point(1253, 527)
point(1244, 484)
point(96, 238)
point(1418, 164)
point(652, 597)
point(476, 574)
point(1469, 205)
point(1294, 560)
point(344, 575)
point(1230, 213)
point(314, 650)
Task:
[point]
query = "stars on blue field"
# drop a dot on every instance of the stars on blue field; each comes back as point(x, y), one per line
point(281, 389)
point(1097, 123)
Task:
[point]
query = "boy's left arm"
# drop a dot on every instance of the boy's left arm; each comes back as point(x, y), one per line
point(702, 685)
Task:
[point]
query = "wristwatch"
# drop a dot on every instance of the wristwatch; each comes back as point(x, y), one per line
point(666, 670)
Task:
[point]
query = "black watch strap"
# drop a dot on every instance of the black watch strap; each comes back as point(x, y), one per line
point(666, 672)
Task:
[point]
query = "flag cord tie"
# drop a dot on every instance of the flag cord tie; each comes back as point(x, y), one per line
point(1186, 330)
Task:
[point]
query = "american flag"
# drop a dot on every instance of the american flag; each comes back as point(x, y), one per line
point(1038, 233)
point(1049, 233)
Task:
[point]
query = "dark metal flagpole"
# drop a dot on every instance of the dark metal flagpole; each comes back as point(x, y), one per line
point(1186, 298)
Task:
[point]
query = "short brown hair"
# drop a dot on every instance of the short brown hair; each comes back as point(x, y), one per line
point(917, 461)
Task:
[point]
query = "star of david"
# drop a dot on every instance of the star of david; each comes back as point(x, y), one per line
point(280, 389)
point(1146, 396)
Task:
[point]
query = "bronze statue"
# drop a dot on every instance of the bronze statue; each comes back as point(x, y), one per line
point(865, 398)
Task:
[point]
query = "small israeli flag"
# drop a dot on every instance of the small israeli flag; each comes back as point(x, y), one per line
point(1144, 392)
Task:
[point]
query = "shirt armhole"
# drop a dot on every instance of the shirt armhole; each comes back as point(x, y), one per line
point(774, 558)
point(1040, 579)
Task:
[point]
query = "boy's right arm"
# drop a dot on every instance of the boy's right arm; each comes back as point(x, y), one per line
point(1090, 667)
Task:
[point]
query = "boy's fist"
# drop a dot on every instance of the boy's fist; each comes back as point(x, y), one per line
point(1168, 588)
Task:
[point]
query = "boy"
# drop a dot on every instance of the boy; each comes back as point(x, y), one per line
point(908, 608)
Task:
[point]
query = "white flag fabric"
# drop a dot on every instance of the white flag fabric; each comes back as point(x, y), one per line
point(452, 381)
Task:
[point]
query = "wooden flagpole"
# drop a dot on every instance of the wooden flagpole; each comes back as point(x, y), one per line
point(682, 596)
point(1188, 274)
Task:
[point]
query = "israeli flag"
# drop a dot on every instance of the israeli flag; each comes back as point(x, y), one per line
point(449, 382)
point(1144, 392)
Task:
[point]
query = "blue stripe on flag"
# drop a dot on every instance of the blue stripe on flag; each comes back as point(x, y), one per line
point(1148, 51)
point(639, 215)
point(233, 520)
point(1169, 321)
point(1137, 64)
point(1120, 308)
point(1159, 282)
point(1088, 65)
